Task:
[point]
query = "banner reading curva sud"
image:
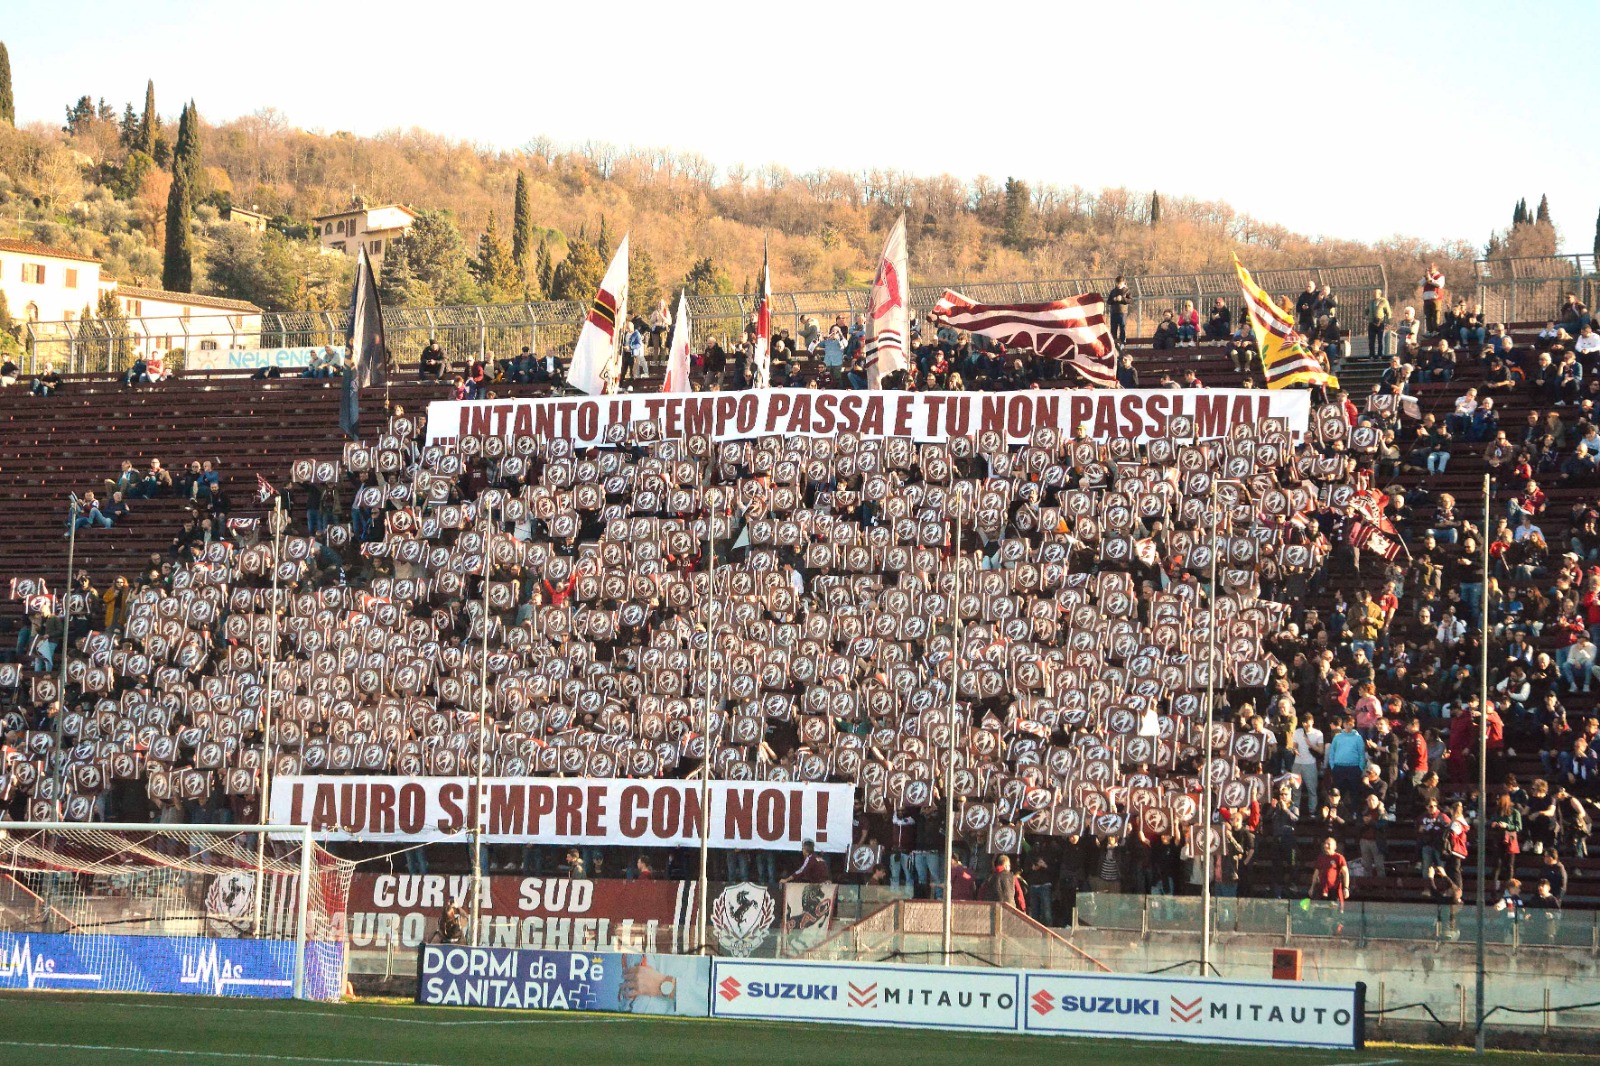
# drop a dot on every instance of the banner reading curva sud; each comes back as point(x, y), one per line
point(553, 913)
point(1104, 414)
point(760, 816)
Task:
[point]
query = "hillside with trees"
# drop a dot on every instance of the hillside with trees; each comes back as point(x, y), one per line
point(148, 194)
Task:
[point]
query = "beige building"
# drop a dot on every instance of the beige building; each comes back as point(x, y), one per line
point(250, 219)
point(44, 284)
point(162, 321)
point(359, 225)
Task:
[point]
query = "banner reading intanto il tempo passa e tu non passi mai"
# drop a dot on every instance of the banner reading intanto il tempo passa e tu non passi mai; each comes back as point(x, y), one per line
point(1104, 414)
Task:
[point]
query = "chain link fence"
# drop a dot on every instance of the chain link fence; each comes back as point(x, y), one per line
point(501, 330)
point(1533, 288)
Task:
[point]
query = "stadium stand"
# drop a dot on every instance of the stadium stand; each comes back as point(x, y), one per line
point(1047, 735)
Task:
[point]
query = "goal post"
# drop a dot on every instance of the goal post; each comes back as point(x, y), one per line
point(215, 909)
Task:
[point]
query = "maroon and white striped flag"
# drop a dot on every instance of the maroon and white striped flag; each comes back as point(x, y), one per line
point(1072, 331)
point(264, 489)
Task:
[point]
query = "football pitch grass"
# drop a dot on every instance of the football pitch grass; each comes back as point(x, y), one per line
point(65, 1029)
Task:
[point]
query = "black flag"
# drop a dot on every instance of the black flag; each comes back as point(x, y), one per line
point(367, 365)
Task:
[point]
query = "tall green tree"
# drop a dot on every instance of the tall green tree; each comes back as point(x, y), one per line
point(602, 245)
point(1015, 219)
point(705, 278)
point(644, 286)
point(10, 329)
point(1155, 209)
point(8, 103)
point(177, 263)
point(1597, 239)
point(435, 259)
point(1543, 214)
point(494, 266)
point(149, 122)
point(1519, 215)
point(186, 152)
point(577, 277)
point(80, 115)
point(521, 229)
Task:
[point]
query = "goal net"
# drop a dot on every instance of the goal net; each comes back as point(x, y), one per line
point(203, 909)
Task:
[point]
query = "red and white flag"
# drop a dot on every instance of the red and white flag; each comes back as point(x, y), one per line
point(264, 489)
point(596, 360)
point(1373, 539)
point(890, 323)
point(761, 352)
point(1072, 331)
point(678, 354)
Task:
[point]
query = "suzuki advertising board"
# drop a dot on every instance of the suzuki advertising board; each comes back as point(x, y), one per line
point(453, 975)
point(1181, 1008)
point(925, 997)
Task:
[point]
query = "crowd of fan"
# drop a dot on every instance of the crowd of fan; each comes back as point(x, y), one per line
point(1079, 754)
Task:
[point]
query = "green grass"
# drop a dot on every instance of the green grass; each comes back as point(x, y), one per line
point(65, 1029)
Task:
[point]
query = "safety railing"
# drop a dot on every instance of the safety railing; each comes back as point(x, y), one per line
point(1533, 288)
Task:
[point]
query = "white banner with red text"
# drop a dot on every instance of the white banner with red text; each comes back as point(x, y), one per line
point(757, 816)
point(1103, 414)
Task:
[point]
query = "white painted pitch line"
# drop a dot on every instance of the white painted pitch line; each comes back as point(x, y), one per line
point(388, 1019)
point(253, 1056)
point(1379, 1062)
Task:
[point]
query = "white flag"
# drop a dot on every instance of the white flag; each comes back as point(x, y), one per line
point(678, 356)
point(596, 361)
point(890, 324)
point(761, 351)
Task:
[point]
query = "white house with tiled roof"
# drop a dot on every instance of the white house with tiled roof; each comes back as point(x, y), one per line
point(359, 225)
point(44, 284)
point(50, 287)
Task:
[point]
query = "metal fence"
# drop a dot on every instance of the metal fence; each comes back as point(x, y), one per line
point(552, 326)
point(1533, 288)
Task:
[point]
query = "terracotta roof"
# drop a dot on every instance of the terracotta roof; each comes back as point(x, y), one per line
point(358, 210)
point(34, 248)
point(217, 302)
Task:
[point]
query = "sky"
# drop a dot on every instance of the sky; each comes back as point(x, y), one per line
point(1356, 119)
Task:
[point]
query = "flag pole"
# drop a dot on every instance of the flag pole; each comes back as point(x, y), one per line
point(1483, 754)
point(1205, 775)
point(705, 737)
point(483, 725)
point(266, 721)
point(948, 938)
point(73, 508)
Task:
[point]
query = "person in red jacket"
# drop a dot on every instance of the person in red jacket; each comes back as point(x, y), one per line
point(1330, 876)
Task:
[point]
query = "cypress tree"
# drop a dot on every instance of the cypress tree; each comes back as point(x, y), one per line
point(1520, 214)
point(1544, 210)
point(603, 246)
point(177, 264)
point(8, 103)
point(1597, 240)
point(521, 227)
point(186, 153)
point(1155, 209)
point(149, 122)
point(544, 271)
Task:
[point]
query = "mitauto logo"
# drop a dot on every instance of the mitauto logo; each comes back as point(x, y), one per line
point(729, 989)
point(1044, 1001)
